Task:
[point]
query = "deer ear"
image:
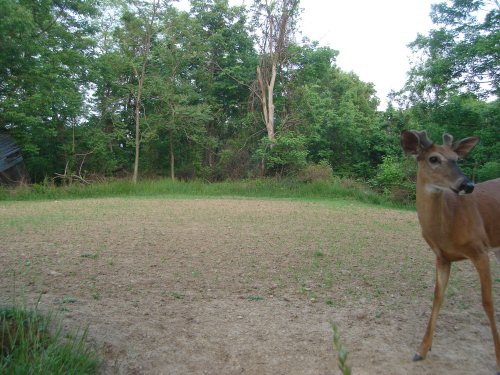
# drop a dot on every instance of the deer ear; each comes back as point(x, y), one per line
point(410, 142)
point(464, 146)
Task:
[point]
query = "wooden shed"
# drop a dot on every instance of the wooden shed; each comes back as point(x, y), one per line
point(12, 170)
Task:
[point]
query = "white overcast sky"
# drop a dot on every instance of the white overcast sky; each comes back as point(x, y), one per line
point(370, 35)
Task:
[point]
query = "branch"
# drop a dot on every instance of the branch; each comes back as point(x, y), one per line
point(232, 77)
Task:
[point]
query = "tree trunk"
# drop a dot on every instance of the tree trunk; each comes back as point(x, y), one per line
point(137, 127)
point(140, 84)
point(266, 97)
point(172, 160)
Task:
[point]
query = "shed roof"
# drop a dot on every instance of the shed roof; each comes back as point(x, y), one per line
point(10, 153)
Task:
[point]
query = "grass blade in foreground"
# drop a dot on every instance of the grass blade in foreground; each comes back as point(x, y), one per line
point(31, 343)
point(341, 350)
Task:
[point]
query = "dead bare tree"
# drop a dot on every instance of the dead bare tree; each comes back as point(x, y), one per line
point(274, 21)
point(69, 176)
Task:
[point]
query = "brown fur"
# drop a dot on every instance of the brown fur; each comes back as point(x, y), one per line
point(455, 226)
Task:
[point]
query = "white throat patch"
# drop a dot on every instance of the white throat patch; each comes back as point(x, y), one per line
point(430, 188)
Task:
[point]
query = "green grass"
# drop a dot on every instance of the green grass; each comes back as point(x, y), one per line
point(257, 188)
point(342, 353)
point(32, 343)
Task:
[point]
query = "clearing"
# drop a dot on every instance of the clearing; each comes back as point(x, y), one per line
point(242, 286)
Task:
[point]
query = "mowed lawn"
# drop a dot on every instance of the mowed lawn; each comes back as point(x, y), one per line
point(231, 286)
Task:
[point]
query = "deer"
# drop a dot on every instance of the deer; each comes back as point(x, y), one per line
point(459, 220)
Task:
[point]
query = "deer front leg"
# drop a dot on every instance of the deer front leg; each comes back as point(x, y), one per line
point(443, 268)
point(482, 264)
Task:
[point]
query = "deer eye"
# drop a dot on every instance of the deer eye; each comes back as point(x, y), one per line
point(434, 160)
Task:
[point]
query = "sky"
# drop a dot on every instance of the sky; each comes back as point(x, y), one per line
point(370, 35)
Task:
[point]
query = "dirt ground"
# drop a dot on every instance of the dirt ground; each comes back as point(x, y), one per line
point(234, 286)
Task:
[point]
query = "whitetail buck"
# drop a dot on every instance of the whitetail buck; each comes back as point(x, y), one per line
point(459, 220)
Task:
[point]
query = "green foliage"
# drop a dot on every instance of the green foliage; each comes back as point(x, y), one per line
point(45, 55)
point(285, 155)
point(313, 172)
point(390, 172)
point(489, 171)
point(69, 85)
point(341, 350)
point(31, 343)
point(336, 111)
point(461, 53)
point(263, 188)
point(396, 178)
point(463, 116)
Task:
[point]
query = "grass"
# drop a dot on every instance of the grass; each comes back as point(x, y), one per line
point(256, 188)
point(32, 343)
point(341, 350)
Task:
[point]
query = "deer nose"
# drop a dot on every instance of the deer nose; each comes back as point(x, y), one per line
point(467, 187)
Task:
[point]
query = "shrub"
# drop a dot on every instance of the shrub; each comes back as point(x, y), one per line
point(285, 156)
point(316, 172)
point(396, 178)
point(489, 171)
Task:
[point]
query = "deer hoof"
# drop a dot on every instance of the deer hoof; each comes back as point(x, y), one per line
point(418, 357)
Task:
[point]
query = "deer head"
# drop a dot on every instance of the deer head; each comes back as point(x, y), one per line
point(437, 164)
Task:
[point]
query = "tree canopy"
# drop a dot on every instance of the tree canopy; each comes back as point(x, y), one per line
point(460, 55)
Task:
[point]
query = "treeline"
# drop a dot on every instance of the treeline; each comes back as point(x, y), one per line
point(92, 88)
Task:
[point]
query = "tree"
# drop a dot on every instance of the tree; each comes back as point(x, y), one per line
point(336, 111)
point(275, 20)
point(460, 55)
point(112, 120)
point(46, 54)
point(227, 67)
point(176, 108)
point(136, 38)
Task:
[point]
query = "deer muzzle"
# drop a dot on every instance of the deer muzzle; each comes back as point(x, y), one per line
point(466, 186)
point(462, 184)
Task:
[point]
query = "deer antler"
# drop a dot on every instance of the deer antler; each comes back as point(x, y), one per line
point(447, 139)
point(425, 142)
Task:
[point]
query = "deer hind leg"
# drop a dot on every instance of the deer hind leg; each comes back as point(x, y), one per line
point(443, 268)
point(482, 264)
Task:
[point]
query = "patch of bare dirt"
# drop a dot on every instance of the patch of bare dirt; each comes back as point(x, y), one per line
point(227, 286)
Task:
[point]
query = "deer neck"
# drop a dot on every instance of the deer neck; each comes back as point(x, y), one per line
point(436, 208)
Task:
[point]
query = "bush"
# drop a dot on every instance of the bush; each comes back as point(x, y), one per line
point(489, 171)
point(396, 178)
point(316, 172)
point(233, 164)
point(285, 156)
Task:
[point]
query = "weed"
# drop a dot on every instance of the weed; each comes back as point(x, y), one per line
point(90, 255)
point(95, 292)
point(65, 300)
point(255, 298)
point(95, 255)
point(330, 302)
point(196, 274)
point(178, 295)
point(318, 254)
point(31, 343)
point(341, 350)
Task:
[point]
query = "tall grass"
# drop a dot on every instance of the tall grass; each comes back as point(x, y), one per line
point(32, 343)
point(258, 188)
